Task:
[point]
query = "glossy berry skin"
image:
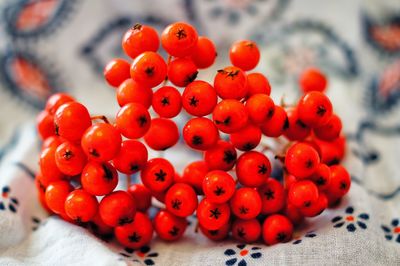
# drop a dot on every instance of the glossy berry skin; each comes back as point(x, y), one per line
point(221, 157)
point(131, 91)
point(71, 121)
point(257, 83)
point(230, 83)
point(182, 71)
point(200, 133)
point(218, 234)
point(244, 54)
point(157, 175)
point(101, 142)
point(167, 102)
point(260, 108)
point(45, 125)
point(314, 109)
point(332, 152)
point(48, 167)
point(148, 69)
point(212, 216)
point(277, 229)
point(116, 72)
point(56, 194)
point(80, 206)
point(253, 169)
point(301, 160)
point(340, 181)
point(246, 231)
point(194, 174)
point(56, 100)
point(316, 208)
point(70, 158)
point(181, 200)
point(230, 116)
point(331, 130)
point(133, 120)
point(277, 124)
point(272, 196)
point(117, 208)
point(312, 79)
point(162, 134)
point(303, 193)
point(99, 179)
point(204, 53)
point(139, 39)
point(52, 141)
point(246, 138)
point(246, 203)
point(131, 157)
point(168, 226)
point(135, 234)
point(295, 129)
point(322, 177)
point(218, 186)
point(179, 39)
point(141, 195)
point(199, 98)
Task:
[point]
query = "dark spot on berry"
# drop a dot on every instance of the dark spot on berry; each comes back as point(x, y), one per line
point(281, 237)
point(197, 140)
point(343, 185)
point(334, 161)
point(232, 74)
point(68, 155)
point(181, 34)
point(174, 231)
point(262, 169)
point(124, 220)
point(309, 164)
point(219, 191)
point(269, 194)
point(165, 101)
point(94, 153)
point(160, 175)
point(226, 121)
point(243, 210)
point(133, 167)
point(193, 101)
point(300, 123)
point(229, 156)
point(286, 124)
point(321, 181)
point(149, 71)
point(241, 233)
point(142, 120)
point(248, 146)
point(271, 112)
point(107, 172)
point(216, 213)
point(307, 204)
point(57, 129)
point(134, 237)
point(213, 232)
point(176, 204)
point(190, 78)
point(321, 110)
point(137, 26)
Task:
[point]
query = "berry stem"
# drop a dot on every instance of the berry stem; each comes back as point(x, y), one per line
point(196, 228)
point(128, 181)
point(100, 117)
point(166, 78)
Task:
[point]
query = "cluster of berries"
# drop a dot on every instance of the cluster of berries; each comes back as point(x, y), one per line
point(231, 189)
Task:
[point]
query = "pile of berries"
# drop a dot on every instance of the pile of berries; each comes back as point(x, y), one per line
point(231, 189)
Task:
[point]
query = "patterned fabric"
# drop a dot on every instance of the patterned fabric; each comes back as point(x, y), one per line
point(62, 45)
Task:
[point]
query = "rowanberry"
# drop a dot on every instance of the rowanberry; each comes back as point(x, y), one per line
point(80, 206)
point(133, 120)
point(117, 208)
point(45, 124)
point(295, 129)
point(158, 174)
point(199, 98)
point(246, 203)
point(162, 134)
point(246, 138)
point(148, 69)
point(204, 52)
point(131, 157)
point(253, 169)
point(230, 83)
point(322, 176)
point(272, 196)
point(141, 195)
point(303, 194)
point(56, 194)
point(247, 231)
point(168, 226)
point(200, 133)
point(56, 100)
point(116, 72)
point(331, 130)
point(332, 152)
point(179, 39)
point(289, 180)
point(131, 91)
point(167, 102)
point(301, 160)
point(230, 116)
point(140, 38)
point(99, 228)
point(293, 214)
point(52, 141)
point(194, 174)
point(99, 178)
point(217, 234)
point(244, 54)
point(218, 186)
point(48, 167)
point(212, 216)
point(182, 71)
point(340, 181)
point(257, 83)
point(181, 200)
point(221, 157)
point(135, 234)
point(70, 158)
point(277, 229)
point(312, 79)
point(314, 109)
point(277, 124)
point(315, 208)
point(260, 108)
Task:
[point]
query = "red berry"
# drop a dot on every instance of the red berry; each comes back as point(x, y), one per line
point(131, 91)
point(199, 98)
point(303, 194)
point(200, 133)
point(246, 203)
point(101, 142)
point(70, 158)
point(181, 200)
point(141, 195)
point(246, 138)
point(168, 226)
point(56, 194)
point(158, 174)
point(276, 229)
point(277, 124)
point(56, 100)
point(301, 160)
point(230, 83)
point(244, 54)
point(314, 109)
point(332, 152)
point(139, 39)
point(204, 53)
point(247, 231)
point(253, 169)
point(163, 134)
point(260, 108)
point(218, 234)
point(218, 186)
point(179, 39)
point(48, 167)
point(148, 69)
point(80, 206)
point(117, 208)
point(272, 196)
point(212, 216)
point(131, 158)
point(340, 181)
point(194, 174)
point(315, 208)
point(257, 83)
point(135, 234)
point(45, 125)
point(322, 176)
point(230, 116)
point(331, 130)
point(312, 79)
point(295, 129)
point(99, 178)
point(293, 214)
point(167, 102)
point(182, 71)
point(52, 141)
point(133, 120)
point(116, 72)
point(100, 228)
point(221, 157)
